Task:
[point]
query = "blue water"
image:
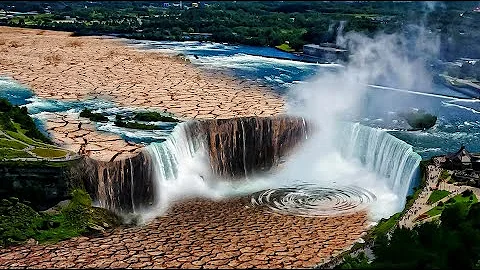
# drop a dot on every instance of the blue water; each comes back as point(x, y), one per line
point(260, 64)
point(38, 108)
point(458, 120)
point(14, 92)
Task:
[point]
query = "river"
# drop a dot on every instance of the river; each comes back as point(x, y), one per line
point(458, 122)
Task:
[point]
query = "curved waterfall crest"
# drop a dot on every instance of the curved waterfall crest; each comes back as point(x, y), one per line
point(212, 158)
point(382, 153)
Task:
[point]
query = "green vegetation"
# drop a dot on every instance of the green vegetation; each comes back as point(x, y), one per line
point(49, 153)
point(21, 137)
point(285, 47)
point(437, 195)
point(356, 262)
point(19, 134)
point(444, 175)
point(127, 122)
point(265, 23)
point(385, 225)
point(467, 198)
point(437, 210)
point(420, 119)
point(454, 243)
point(19, 222)
point(10, 114)
point(96, 117)
point(153, 117)
point(6, 153)
point(136, 125)
point(5, 143)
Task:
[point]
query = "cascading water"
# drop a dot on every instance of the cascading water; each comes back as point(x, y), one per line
point(179, 165)
point(206, 158)
point(368, 167)
point(387, 156)
point(349, 169)
point(132, 187)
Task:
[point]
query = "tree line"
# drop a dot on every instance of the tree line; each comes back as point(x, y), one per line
point(255, 23)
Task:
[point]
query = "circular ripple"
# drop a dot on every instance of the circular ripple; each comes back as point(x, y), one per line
point(314, 201)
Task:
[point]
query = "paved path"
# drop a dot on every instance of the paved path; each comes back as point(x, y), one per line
point(420, 206)
point(28, 149)
point(202, 234)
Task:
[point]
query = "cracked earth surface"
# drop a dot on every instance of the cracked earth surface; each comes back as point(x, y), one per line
point(202, 234)
point(196, 233)
point(58, 66)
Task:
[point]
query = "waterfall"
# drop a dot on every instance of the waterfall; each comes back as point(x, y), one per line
point(122, 186)
point(381, 153)
point(211, 158)
point(179, 165)
point(201, 154)
point(244, 149)
point(132, 187)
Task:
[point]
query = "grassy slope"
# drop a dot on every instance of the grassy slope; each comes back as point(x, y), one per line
point(437, 210)
point(285, 47)
point(437, 195)
point(13, 149)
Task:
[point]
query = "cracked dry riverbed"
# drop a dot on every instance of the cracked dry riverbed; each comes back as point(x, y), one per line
point(57, 66)
point(194, 234)
point(202, 234)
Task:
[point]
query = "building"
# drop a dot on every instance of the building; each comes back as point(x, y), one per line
point(326, 50)
point(462, 160)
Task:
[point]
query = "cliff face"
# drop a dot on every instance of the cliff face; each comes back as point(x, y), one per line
point(43, 184)
point(121, 186)
point(239, 147)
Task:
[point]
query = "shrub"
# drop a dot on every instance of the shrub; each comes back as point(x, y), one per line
point(17, 221)
point(96, 117)
point(440, 204)
point(420, 120)
point(153, 116)
point(444, 175)
point(78, 213)
point(9, 113)
point(135, 125)
point(467, 193)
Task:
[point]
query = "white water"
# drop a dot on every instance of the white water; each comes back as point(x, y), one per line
point(390, 158)
point(364, 157)
point(178, 169)
point(131, 185)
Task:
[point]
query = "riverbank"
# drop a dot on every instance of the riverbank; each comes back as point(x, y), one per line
point(201, 234)
point(73, 68)
point(56, 65)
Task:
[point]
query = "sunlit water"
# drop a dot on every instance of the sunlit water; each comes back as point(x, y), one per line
point(458, 122)
point(340, 182)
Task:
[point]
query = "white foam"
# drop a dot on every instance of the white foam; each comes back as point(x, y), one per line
point(446, 104)
point(253, 62)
